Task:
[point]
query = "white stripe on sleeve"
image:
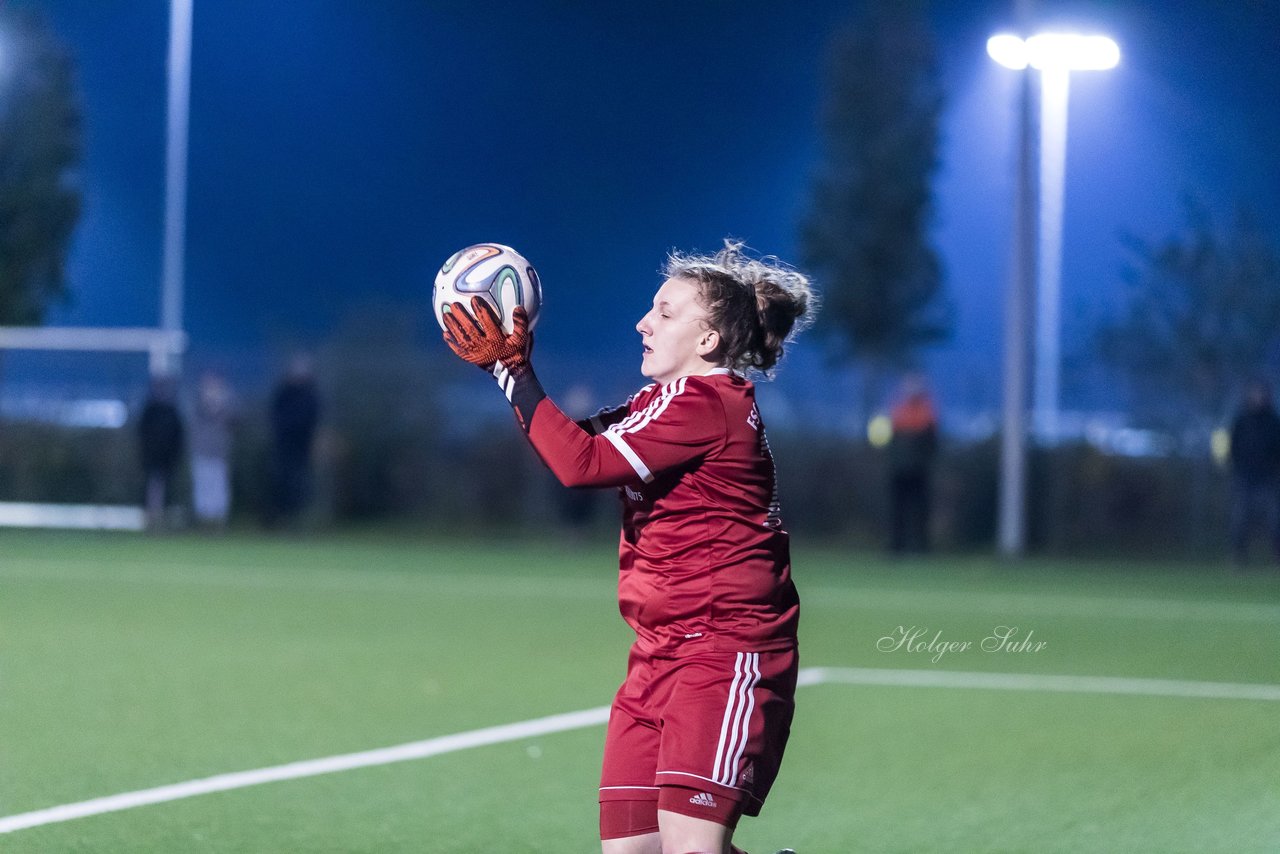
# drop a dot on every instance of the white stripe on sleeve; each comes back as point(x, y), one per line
point(629, 455)
point(639, 419)
point(655, 409)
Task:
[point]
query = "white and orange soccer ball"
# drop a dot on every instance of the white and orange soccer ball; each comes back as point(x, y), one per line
point(499, 274)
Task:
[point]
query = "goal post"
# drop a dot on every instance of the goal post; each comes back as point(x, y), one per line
point(162, 347)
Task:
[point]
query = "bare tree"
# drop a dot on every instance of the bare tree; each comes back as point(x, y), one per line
point(1202, 317)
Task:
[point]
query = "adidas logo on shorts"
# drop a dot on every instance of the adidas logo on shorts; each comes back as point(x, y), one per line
point(702, 799)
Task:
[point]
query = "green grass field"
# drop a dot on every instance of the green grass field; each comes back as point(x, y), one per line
point(128, 663)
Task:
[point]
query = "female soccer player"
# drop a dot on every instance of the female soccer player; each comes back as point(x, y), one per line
point(697, 730)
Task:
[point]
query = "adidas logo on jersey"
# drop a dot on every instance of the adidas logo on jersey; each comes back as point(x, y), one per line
point(702, 799)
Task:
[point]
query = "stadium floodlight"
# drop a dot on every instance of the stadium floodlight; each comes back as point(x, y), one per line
point(1055, 51)
point(1055, 56)
point(1009, 51)
point(1038, 254)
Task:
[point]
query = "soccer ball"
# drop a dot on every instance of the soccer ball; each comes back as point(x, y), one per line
point(498, 273)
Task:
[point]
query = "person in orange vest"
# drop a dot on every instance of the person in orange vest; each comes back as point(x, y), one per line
point(912, 451)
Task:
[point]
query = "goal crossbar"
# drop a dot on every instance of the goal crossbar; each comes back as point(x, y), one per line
point(161, 346)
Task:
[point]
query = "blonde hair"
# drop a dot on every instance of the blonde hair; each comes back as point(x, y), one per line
point(757, 304)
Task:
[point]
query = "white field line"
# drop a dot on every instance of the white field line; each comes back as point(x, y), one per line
point(1039, 604)
point(309, 768)
point(591, 589)
point(593, 717)
point(1040, 682)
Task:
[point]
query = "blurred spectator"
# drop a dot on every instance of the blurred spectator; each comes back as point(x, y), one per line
point(295, 412)
point(912, 449)
point(1255, 472)
point(160, 444)
point(211, 428)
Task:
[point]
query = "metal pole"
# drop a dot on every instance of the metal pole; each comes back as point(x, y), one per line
point(175, 202)
point(1054, 89)
point(1019, 296)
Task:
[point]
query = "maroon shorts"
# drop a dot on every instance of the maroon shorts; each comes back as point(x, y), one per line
point(714, 724)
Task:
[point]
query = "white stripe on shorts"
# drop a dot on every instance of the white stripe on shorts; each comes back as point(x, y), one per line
point(737, 717)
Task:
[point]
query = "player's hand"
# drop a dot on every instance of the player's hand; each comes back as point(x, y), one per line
point(477, 336)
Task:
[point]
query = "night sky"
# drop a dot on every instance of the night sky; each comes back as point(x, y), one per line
point(341, 150)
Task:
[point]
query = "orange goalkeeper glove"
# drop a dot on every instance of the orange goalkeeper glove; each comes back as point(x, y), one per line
point(479, 338)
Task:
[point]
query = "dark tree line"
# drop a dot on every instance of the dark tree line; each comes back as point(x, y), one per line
point(866, 237)
point(40, 150)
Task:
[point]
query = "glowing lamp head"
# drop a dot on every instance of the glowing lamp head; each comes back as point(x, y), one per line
point(1009, 51)
point(1054, 52)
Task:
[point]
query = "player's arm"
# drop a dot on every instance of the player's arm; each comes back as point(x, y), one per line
point(575, 456)
point(671, 432)
point(601, 421)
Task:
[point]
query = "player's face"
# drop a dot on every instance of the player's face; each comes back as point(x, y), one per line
point(678, 342)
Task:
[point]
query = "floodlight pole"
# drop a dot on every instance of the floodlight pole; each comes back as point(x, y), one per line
point(1055, 85)
point(1055, 56)
point(175, 202)
point(1037, 266)
point(1012, 536)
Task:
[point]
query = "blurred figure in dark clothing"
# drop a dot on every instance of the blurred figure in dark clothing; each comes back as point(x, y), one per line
point(161, 438)
point(912, 450)
point(1255, 472)
point(295, 412)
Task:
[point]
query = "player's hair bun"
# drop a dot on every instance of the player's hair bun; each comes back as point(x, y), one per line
point(756, 303)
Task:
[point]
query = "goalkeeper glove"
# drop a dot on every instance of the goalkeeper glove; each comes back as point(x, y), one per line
point(478, 337)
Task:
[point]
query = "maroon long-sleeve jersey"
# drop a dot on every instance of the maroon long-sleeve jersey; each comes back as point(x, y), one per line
point(704, 560)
